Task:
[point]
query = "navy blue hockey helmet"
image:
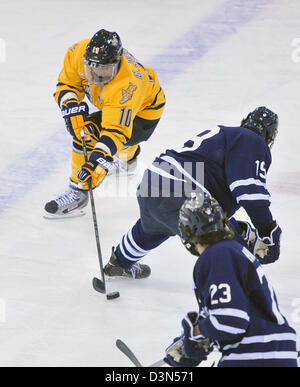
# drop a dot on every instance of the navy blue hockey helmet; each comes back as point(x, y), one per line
point(102, 57)
point(263, 122)
point(199, 216)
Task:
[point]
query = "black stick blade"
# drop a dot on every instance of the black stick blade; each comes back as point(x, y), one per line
point(98, 285)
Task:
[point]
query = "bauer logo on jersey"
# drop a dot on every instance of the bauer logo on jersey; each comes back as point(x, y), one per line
point(128, 93)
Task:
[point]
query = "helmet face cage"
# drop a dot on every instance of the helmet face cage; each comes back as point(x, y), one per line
point(101, 74)
point(102, 57)
point(263, 122)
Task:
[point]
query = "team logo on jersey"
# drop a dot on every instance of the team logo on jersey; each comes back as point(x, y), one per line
point(128, 93)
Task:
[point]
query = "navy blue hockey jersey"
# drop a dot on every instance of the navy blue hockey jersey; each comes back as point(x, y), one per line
point(235, 160)
point(240, 309)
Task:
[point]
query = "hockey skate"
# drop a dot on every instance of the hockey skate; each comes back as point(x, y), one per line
point(114, 269)
point(67, 205)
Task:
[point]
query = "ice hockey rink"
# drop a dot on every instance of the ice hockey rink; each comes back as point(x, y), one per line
point(216, 61)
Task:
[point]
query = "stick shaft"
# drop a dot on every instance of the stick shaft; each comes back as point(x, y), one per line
point(93, 208)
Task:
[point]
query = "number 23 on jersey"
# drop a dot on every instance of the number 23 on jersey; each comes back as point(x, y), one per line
point(225, 293)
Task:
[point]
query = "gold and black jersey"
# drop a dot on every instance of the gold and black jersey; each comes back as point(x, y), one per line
point(135, 91)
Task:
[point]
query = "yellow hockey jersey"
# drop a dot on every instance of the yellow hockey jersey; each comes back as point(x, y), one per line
point(135, 91)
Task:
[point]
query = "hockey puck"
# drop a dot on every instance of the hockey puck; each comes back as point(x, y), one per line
point(112, 295)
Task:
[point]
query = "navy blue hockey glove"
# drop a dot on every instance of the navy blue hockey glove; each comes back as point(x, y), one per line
point(267, 246)
point(99, 164)
point(176, 357)
point(195, 345)
point(76, 116)
point(249, 234)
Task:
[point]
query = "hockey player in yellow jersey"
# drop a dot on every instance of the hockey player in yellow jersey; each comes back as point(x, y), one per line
point(130, 103)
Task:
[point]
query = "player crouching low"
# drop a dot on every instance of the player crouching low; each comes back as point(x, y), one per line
point(129, 102)
point(238, 307)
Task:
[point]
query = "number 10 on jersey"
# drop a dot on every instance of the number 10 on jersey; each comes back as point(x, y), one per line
point(125, 117)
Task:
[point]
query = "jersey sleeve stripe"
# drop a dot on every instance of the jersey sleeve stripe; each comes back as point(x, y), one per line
point(230, 312)
point(244, 182)
point(225, 328)
point(251, 197)
point(65, 96)
point(116, 131)
point(155, 99)
point(156, 107)
point(261, 355)
point(102, 146)
point(262, 339)
point(105, 142)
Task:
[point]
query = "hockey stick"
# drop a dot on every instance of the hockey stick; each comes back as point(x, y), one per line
point(131, 356)
point(98, 285)
point(128, 352)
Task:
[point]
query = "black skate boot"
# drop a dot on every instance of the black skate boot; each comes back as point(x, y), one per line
point(114, 269)
point(68, 204)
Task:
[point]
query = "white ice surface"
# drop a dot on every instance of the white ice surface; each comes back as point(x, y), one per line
point(49, 313)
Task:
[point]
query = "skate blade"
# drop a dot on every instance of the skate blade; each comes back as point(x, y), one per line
point(121, 278)
point(115, 278)
point(71, 215)
point(121, 173)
